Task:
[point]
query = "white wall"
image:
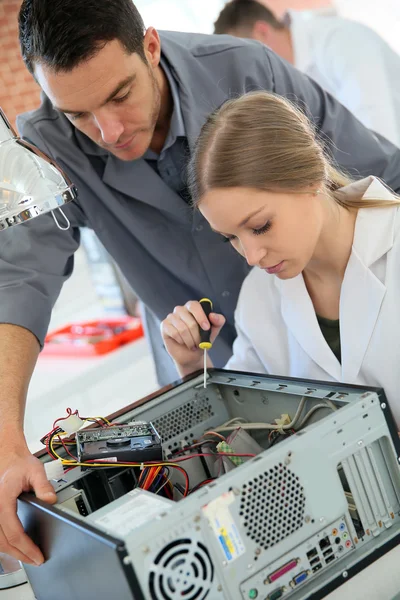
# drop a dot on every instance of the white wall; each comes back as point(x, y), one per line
point(180, 15)
point(383, 16)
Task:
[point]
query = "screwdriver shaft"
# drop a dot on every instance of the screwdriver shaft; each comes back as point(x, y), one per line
point(205, 368)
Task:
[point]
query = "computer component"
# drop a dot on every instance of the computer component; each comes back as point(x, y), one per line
point(135, 442)
point(97, 487)
point(294, 521)
point(73, 500)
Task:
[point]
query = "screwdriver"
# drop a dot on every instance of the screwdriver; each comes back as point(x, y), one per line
point(205, 343)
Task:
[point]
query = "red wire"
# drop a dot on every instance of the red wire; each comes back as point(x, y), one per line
point(69, 469)
point(66, 449)
point(183, 458)
point(69, 413)
point(186, 479)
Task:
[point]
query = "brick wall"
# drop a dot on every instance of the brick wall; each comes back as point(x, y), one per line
point(18, 90)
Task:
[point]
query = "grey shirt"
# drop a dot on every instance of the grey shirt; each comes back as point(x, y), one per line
point(166, 250)
point(171, 163)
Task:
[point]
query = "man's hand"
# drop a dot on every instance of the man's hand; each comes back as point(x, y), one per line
point(20, 472)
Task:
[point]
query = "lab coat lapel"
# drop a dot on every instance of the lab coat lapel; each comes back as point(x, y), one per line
point(360, 302)
point(299, 315)
point(361, 295)
point(362, 292)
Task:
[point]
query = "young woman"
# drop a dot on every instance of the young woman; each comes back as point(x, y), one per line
point(323, 300)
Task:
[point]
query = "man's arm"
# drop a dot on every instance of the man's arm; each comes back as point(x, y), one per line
point(19, 470)
point(35, 260)
point(356, 149)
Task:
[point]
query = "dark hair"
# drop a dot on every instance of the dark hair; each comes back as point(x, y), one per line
point(64, 33)
point(243, 14)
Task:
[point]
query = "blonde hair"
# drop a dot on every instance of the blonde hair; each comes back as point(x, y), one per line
point(261, 140)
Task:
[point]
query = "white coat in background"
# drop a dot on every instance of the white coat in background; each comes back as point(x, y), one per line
point(278, 332)
point(353, 63)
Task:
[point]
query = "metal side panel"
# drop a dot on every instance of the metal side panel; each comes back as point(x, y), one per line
point(80, 561)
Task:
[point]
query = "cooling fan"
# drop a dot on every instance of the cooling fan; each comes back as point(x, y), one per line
point(182, 570)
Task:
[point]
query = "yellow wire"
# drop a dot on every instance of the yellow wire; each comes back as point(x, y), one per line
point(99, 419)
point(78, 464)
point(60, 433)
point(83, 464)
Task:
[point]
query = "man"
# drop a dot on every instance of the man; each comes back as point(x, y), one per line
point(346, 58)
point(120, 113)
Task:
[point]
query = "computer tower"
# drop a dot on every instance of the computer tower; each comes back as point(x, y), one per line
point(295, 521)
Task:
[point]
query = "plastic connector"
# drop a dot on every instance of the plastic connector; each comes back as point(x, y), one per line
point(284, 420)
point(72, 424)
point(54, 469)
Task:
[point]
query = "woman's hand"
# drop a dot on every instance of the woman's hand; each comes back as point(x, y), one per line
point(181, 335)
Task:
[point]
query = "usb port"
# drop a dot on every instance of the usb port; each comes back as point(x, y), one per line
point(328, 551)
point(312, 553)
point(330, 559)
point(317, 568)
point(324, 543)
point(314, 561)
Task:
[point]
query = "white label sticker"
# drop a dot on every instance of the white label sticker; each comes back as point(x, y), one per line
point(224, 527)
point(138, 509)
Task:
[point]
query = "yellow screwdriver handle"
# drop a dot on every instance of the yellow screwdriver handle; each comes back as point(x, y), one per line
point(205, 343)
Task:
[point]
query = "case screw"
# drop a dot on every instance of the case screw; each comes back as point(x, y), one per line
point(360, 443)
point(224, 563)
point(257, 551)
point(236, 491)
point(307, 519)
point(219, 588)
point(127, 560)
point(146, 550)
point(383, 405)
point(345, 574)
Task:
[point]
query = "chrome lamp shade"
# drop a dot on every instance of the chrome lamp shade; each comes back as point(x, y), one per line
point(31, 184)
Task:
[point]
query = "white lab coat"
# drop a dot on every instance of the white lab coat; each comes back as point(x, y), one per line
point(353, 63)
point(278, 332)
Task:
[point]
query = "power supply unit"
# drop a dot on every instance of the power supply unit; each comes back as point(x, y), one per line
point(314, 501)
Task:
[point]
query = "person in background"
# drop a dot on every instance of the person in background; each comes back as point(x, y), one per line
point(322, 300)
point(122, 107)
point(346, 58)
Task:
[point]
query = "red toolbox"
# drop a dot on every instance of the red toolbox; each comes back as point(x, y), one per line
point(91, 338)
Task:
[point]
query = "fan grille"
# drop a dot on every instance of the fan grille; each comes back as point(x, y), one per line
point(183, 418)
point(182, 570)
point(272, 506)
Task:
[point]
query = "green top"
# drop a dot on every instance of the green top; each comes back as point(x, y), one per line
point(331, 332)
